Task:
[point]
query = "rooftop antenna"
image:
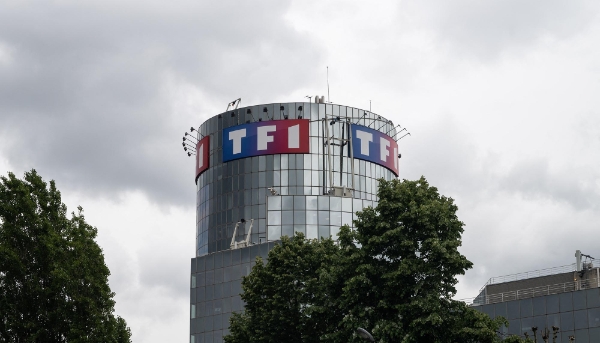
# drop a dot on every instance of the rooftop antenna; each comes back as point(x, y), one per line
point(235, 103)
point(309, 98)
point(328, 99)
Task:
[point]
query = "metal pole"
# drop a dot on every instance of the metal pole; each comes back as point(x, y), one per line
point(351, 154)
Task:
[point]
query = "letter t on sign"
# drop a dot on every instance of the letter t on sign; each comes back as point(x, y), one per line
point(236, 136)
point(365, 139)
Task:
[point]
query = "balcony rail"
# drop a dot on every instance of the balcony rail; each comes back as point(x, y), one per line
point(533, 292)
point(530, 274)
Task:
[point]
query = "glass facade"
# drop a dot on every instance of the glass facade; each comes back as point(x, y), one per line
point(228, 192)
point(574, 314)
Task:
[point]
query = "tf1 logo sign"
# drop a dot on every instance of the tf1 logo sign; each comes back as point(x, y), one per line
point(371, 145)
point(266, 138)
point(202, 154)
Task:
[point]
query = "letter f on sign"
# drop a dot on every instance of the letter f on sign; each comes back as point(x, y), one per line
point(383, 145)
point(262, 136)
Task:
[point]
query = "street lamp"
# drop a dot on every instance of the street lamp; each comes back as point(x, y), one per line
point(364, 334)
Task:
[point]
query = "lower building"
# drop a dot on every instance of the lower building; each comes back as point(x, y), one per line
point(561, 303)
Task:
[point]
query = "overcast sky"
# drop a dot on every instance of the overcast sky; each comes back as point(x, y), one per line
point(501, 98)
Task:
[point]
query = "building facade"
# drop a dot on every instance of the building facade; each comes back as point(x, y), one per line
point(267, 171)
point(564, 300)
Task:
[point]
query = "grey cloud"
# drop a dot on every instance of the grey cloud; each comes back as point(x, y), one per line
point(85, 97)
point(533, 179)
point(485, 30)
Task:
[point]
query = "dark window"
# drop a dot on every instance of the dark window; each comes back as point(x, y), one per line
point(593, 299)
point(566, 321)
point(552, 304)
point(513, 309)
point(581, 319)
point(579, 300)
point(539, 306)
point(526, 308)
point(566, 302)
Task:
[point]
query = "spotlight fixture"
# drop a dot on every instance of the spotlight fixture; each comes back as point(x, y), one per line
point(265, 110)
point(300, 117)
point(248, 111)
point(233, 114)
point(192, 129)
point(219, 116)
point(259, 119)
point(299, 108)
point(281, 108)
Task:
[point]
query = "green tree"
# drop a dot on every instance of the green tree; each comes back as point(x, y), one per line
point(53, 279)
point(286, 301)
point(394, 274)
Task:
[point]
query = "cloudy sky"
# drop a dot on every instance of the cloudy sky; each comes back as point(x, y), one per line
point(501, 98)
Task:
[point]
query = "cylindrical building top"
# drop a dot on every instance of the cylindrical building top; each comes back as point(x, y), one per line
point(289, 167)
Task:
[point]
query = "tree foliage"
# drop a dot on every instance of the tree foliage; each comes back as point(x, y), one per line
point(53, 279)
point(394, 274)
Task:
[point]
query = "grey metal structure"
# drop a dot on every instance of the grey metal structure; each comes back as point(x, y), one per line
point(314, 193)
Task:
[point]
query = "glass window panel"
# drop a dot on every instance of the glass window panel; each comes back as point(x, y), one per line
point(357, 205)
point(514, 327)
point(500, 310)
point(307, 161)
point(324, 217)
point(300, 228)
point(581, 319)
point(299, 217)
point(299, 203)
point(594, 334)
point(593, 299)
point(594, 317)
point(287, 230)
point(347, 219)
point(566, 321)
point(323, 231)
point(274, 203)
point(277, 162)
point(526, 324)
point(323, 203)
point(539, 306)
point(582, 336)
point(307, 178)
point(287, 202)
point(274, 232)
point(334, 232)
point(552, 304)
point(552, 320)
point(311, 202)
point(335, 218)
point(335, 203)
point(311, 217)
point(292, 178)
point(287, 217)
point(284, 179)
point(262, 163)
point(513, 310)
point(312, 231)
point(347, 204)
point(274, 218)
point(579, 300)
point(539, 322)
point(526, 308)
point(566, 301)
